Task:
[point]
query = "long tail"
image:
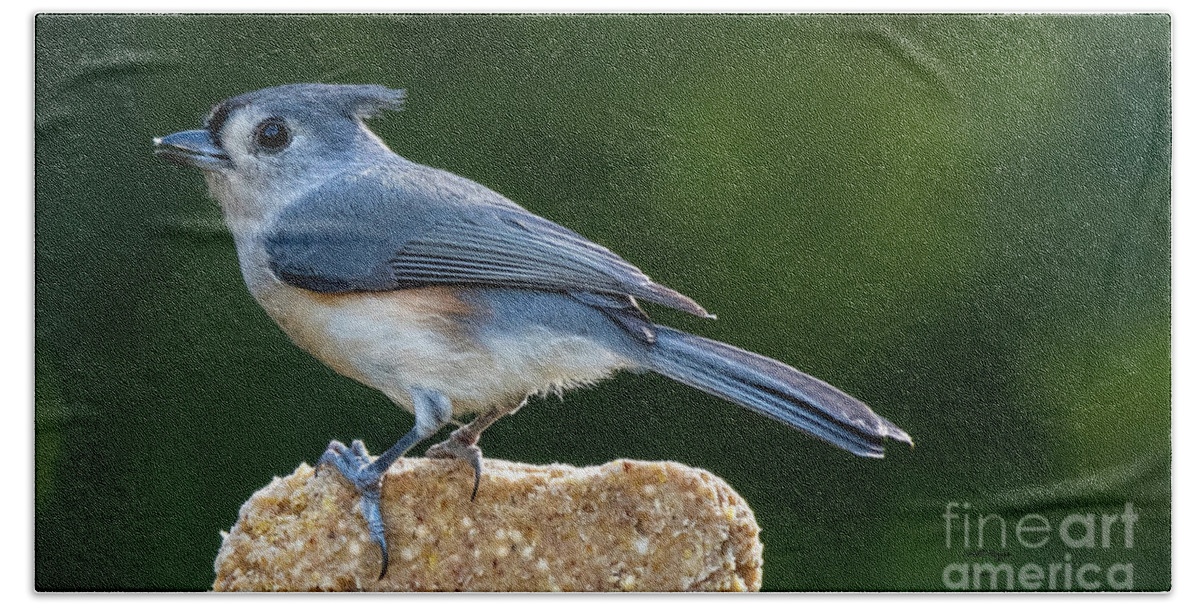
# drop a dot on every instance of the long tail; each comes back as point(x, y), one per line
point(774, 390)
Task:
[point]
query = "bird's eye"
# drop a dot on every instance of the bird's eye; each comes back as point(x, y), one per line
point(272, 134)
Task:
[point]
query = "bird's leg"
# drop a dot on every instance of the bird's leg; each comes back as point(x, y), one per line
point(432, 410)
point(462, 442)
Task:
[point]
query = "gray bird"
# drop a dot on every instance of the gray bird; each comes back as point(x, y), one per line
point(446, 296)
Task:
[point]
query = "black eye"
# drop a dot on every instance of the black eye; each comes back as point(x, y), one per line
point(272, 134)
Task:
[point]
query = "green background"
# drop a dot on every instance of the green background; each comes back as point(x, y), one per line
point(962, 220)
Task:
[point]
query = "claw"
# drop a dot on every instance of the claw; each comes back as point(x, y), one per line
point(432, 410)
point(454, 448)
point(346, 462)
point(373, 514)
point(476, 463)
point(353, 463)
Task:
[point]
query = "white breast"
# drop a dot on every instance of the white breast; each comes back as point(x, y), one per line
point(420, 338)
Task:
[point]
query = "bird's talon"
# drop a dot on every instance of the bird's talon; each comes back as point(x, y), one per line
point(454, 448)
point(373, 514)
point(353, 463)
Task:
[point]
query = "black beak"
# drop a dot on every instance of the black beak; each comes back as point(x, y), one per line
point(192, 149)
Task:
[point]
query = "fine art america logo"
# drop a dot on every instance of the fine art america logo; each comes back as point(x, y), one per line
point(992, 543)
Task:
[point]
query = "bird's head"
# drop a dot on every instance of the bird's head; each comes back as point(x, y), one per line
point(284, 136)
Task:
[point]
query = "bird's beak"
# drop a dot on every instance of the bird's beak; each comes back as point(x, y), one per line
point(192, 149)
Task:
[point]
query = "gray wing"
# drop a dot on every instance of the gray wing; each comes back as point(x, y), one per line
point(362, 233)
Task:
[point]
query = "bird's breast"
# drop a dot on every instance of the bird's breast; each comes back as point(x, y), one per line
point(433, 338)
point(388, 340)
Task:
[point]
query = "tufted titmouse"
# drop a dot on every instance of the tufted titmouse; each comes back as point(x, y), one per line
point(446, 296)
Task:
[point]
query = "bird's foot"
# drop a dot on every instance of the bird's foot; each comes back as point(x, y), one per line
point(461, 446)
point(353, 463)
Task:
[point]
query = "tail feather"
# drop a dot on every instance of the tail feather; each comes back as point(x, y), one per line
point(666, 296)
point(774, 390)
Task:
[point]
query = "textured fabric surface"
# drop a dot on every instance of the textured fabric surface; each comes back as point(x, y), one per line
point(963, 221)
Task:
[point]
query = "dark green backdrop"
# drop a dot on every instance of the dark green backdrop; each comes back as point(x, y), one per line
point(963, 220)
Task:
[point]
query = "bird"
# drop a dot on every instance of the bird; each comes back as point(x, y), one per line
point(446, 296)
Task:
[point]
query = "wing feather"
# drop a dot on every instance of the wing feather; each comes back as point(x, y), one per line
point(375, 232)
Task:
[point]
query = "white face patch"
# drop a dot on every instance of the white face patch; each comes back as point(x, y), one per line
point(240, 139)
point(264, 180)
